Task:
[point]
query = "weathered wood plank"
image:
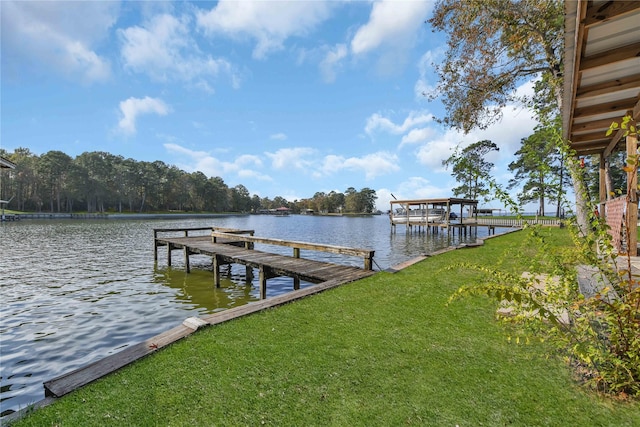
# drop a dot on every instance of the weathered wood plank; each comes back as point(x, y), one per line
point(300, 269)
point(255, 307)
point(70, 381)
point(73, 380)
point(301, 245)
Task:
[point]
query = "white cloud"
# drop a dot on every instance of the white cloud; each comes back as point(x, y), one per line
point(516, 123)
point(57, 36)
point(425, 68)
point(253, 174)
point(417, 135)
point(244, 166)
point(133, 107)
point(392, 28)
point(412, 128)
point(268, 23)
point(278, 136)
point(332, 61)
point(164, 49)
point(292, 158)
point(433, 152)
point(306, 160)
point(373, 165)
point(377, 122)
point(415, 187)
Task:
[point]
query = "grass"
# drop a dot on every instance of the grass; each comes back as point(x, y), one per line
point(386, 350)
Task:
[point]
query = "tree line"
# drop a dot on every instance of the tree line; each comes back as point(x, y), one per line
point(102, 182)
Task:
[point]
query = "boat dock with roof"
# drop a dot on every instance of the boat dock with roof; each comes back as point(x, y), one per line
point(432, 215)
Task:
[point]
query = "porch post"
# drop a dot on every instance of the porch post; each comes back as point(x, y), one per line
point(632, 201)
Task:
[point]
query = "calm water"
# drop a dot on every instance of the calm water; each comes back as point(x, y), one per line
point(75, 291)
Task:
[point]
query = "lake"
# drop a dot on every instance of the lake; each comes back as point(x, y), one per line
point(75, 291)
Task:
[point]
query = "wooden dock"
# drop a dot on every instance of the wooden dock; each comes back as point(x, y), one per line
point(226, 246)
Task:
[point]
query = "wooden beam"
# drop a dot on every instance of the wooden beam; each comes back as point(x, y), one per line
point(614, 143)
point(602, 184)
point(632, 203)
point(611, 56)
point(73, 380)
point(575, 40)
point(593, 126)
point(606, 11)
point(302, 245)
point(617, 106)
point(623, 83)
point(635, 114)
point(636, 110)
point(599, 137)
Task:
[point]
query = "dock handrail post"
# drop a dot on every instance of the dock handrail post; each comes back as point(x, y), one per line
point(368, 261)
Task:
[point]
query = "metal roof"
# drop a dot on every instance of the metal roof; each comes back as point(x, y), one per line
point(441, 201)
point(6, 164)
point(602, 71)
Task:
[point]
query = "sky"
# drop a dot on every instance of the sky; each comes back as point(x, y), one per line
point(286, 98)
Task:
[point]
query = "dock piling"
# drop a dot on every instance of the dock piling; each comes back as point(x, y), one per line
point(230, 246)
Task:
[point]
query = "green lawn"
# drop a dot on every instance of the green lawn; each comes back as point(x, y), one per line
point(381, 351)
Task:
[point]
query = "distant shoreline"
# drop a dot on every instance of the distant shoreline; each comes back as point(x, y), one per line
point(48, 215)
point(96, 215)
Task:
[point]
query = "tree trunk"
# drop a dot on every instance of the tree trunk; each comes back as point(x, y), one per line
point(580, 190)
point(579, 187)
point(607, 179)
point(144, 197)
point(560, 186)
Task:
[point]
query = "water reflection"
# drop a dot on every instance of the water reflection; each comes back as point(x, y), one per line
point(198, 290)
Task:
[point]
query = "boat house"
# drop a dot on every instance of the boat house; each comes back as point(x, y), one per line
point(441, 213)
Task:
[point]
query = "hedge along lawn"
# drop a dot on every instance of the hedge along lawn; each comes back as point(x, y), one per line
point(386, 350)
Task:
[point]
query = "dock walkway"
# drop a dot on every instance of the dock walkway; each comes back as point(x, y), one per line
point(236, 247)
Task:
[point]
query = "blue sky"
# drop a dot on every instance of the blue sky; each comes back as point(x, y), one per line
point(285, 98)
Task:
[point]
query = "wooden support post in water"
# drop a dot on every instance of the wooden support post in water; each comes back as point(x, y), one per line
point(169, 247)
point(155, 245)
point(248, 269)
point(216, 271)
point(264, 275)
point(296, 280)
point(186, 260)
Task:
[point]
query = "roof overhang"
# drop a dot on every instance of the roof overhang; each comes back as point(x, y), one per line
point(441, 201)
point(6, 164)
point(601, 71)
